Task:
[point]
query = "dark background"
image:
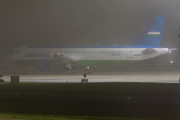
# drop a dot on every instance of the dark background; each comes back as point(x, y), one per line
point(74, 22)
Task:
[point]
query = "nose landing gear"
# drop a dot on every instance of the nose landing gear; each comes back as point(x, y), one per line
point(87, 70)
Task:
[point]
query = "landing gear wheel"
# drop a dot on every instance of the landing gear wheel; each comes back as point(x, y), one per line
point(88, 71)
point(25, 72)
point(71, 72)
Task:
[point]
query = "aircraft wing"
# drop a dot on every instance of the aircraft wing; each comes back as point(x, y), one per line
point(62, 58)
point(148, 51)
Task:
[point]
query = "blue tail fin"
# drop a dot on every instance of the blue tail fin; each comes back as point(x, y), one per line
point(152, 37)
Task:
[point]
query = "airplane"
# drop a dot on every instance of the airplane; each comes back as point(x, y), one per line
point(45, 57)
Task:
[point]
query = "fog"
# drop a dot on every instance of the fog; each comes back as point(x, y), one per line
point(73, 22)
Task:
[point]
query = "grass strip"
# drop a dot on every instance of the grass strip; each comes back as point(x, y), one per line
point(10, 116)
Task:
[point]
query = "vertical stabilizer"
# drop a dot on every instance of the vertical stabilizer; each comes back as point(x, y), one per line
point(152, 37)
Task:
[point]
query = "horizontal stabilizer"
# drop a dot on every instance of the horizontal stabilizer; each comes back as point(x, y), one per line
point(148, 51)
point(173, 49)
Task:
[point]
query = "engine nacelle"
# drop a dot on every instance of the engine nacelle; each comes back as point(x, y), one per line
point(43, 65)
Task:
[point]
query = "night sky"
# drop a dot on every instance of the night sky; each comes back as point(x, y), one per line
point(74, 22)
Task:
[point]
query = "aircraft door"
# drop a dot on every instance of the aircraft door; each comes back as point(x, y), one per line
point(129, 54)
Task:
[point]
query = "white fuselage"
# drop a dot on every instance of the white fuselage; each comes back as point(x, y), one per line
point(80, 54)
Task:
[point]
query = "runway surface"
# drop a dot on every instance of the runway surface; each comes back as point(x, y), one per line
point(151, 77)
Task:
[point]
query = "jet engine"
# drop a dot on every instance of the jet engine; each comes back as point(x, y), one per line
point(43, 65)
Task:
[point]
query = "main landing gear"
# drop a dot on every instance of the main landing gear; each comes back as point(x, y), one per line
point(26, 70)
point(70, 70)
point(87, 70)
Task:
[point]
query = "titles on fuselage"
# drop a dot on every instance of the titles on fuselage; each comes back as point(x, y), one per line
point(137, 54)
point(36, 55)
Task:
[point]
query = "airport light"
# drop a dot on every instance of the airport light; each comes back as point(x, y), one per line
point(169, 51)
point(171, 62)
point(178, 63)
